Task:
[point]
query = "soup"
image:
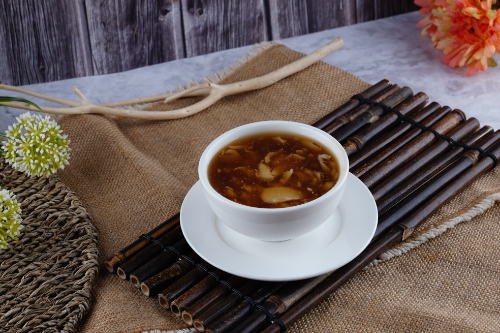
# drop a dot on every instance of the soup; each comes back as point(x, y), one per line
point(273, 170)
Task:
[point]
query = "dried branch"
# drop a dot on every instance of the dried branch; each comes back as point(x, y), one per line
point(214, 91)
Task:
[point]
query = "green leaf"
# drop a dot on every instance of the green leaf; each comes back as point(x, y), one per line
point(15, 99)
point(492, 62)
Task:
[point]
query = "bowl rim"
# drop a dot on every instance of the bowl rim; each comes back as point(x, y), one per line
point(232, 135)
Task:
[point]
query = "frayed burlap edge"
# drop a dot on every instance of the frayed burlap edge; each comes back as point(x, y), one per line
point(476, 210)
point(213, 78)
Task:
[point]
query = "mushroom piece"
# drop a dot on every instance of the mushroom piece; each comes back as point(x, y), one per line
point(286, 176)
point(322, 161)
point(279, 139)
point(248, 188)
point(301, 151)
point(246, 170)
point(328, 186)
point(316, 177)
point(317, 174)
point(280, 194)
point(267, 159)
point(230, 155)
point(277, 171)
point(237, 147)
point(309, 172)
point(296, 156)
point(230, 193)
point(311, 145)
point(264, 173)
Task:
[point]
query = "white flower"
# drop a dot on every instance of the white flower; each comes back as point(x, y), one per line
point(35, 145)
point(10, 218)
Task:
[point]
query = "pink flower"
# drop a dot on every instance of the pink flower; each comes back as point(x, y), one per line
point(468, 31)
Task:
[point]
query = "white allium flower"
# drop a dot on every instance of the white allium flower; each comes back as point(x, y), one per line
point(35, 145)
point(10, 218)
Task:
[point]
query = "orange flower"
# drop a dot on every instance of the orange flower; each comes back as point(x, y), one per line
point(468, 31)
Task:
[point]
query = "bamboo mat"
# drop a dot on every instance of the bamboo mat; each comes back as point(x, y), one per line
point(133, 174)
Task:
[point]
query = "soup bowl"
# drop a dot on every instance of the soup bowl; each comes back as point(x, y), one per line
point(274, 224)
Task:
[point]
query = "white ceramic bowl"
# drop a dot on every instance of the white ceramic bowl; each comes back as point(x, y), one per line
point(274, 224)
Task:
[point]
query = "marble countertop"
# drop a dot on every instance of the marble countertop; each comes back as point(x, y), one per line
point(387, 48)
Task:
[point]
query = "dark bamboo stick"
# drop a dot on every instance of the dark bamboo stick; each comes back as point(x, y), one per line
point(485, 164)
point(121, 256)
point(278, 303)
point(373, 114)
point(160, 281)
point(196, 292)
point(213, 296)
point(351, 104)
point(351, 115)
point(237, 313)
point(357, 142)
point(147, 253)
point(179, 287)
point(206, 318)
point(401, 232)
point(404, 189)
point(411, 149)
point(333, 283)
point(159, 262)
point(386, 139)
point(400, 142)
point(427, 190)
point(421, 160)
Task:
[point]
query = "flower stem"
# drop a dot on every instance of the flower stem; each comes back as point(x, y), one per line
point(2, 134)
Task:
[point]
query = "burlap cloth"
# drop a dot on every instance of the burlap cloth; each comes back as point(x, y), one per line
point(133, 174)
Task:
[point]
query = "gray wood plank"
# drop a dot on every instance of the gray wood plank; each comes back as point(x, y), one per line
point(214, 25)
point(298, 17)
point(288, 18)
point(126, 34)
point(327, 14)
point(386, 8)
point(43, 41)
point(367, 10)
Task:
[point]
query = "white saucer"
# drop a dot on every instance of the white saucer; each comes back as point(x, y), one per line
point(333, 244)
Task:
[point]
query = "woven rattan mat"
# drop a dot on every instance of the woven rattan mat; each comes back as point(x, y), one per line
point(46, 276)
point(133, 174)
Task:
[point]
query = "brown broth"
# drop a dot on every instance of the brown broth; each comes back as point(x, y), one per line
point(273, 170)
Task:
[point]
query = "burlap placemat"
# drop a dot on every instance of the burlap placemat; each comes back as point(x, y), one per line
point(133, 174)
